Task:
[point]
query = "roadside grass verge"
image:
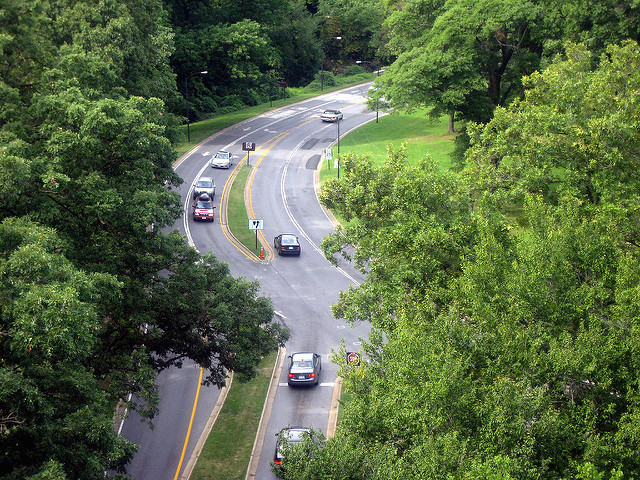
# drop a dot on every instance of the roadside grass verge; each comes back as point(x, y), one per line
point(226, 452)
point(422, 135)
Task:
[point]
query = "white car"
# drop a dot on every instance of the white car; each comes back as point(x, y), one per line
point(222, 159)
point(331, 116)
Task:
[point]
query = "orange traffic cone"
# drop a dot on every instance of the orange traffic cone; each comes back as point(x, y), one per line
point(261, 252)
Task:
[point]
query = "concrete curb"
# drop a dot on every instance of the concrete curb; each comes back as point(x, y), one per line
point(252, 468)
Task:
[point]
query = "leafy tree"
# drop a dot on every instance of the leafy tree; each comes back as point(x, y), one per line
point(528, 366)
point(409, 226)
point(95, 298)
point(467, 60)
point(51, 406)
point(132, 36)
point(359, 23)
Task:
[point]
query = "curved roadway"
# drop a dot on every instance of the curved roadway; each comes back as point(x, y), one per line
point(282, 193)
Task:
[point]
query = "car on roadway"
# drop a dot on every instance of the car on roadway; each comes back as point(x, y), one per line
point(203, 208)
point(304, 368)
point(331, 115)
point(302, 440)
point(222, 159)
point(204, 185)
point(286, 244)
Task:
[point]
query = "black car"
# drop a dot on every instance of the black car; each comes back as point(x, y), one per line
point(304, 368)
point(286, 244)
point(301, 440)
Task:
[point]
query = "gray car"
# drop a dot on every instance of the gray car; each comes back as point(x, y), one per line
point(304, 368)
point(204, 185)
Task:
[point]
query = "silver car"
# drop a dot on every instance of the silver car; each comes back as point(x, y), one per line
point(222, 159)
point(204, 185)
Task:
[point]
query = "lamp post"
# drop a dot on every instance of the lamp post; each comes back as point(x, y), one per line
point(322, 63)
point(186, 92)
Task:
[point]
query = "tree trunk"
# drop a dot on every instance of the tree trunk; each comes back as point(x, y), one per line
point(451, 129)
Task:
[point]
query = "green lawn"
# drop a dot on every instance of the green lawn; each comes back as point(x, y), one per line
point(225, 455)
point(422, 135)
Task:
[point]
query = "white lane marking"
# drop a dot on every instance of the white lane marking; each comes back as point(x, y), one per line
point(283, 195)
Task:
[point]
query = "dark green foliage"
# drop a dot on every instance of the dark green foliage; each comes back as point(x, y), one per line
point(94, 298)
point(503, 350)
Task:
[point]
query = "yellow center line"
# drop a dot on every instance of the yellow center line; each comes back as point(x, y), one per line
point(267, 146)
point(193, 414)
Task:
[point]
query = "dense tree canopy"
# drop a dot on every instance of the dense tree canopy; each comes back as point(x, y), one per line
point(95, 298)
point(509, 351)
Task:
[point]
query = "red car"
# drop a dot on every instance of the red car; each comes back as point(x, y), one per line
point(203, 208)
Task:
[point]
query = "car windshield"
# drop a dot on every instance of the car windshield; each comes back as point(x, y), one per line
point(204, 184)
point(289, 240)
point(201, 204)
point(224, 155)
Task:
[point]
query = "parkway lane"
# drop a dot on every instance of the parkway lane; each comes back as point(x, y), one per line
point(290, 143)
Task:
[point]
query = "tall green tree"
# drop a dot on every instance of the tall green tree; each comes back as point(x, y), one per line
point(467, 60)
point(95, 298)
point(528, 366)
point(51, 405)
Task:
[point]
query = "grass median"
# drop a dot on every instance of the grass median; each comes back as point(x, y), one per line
point(226, 452)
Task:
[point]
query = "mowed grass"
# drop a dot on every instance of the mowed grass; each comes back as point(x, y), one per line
point(237, 212)
point(422, 135)
point(226, 453)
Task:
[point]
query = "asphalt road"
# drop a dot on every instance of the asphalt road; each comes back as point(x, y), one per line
point(289, 146)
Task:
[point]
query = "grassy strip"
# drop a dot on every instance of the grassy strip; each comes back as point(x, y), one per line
point(227, 451)
point(237, 212)
point(422, 135)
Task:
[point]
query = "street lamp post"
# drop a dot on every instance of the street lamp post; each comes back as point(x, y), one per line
point(186, 92)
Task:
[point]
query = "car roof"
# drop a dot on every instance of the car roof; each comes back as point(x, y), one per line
point(285, 235)
point(294, 433)
point(302, 356)
point(224, 152)
point(331, 110)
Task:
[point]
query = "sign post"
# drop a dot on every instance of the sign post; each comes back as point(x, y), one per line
point(256, 225)
point(248, 147)
point(353, 358)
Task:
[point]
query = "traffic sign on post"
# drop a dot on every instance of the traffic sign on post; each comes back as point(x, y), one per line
point(248, 147)
point(255, 224)
point(353, 358)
